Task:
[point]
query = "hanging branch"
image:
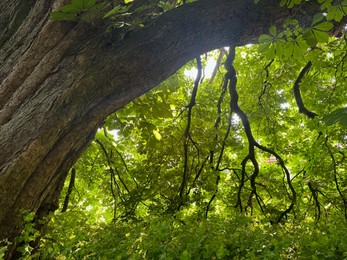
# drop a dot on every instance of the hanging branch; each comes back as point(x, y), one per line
point(198, 173)
point(217, 166)
point(315, 197)
point(119, 154)
point(112, 182)
point(344, 200)
point(187, 131)
point(297, 94)
point(266, 83)
point(219, 110)
point(110, 163)
point(222, 53)
point(69, 190)
point(288, 178)
point(234, 107)
point(229, 78)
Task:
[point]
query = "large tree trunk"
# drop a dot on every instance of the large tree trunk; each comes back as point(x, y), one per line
point(59, 80)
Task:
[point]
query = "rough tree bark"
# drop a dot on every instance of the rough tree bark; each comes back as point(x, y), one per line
point(59, 81)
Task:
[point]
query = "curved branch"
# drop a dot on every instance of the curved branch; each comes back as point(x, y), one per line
point(187, 131)
point(334, 163)
point(297, 94)
point(266, 83)
point(314, 192)
point(65, 79)
point(110, 163)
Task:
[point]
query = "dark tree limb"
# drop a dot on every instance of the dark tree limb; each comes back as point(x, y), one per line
point(252, 143)
point(334, 163)
point(69, 190)
point(59, 81)
point(266, 83)
point(314, 192)
point(198, 173)
point(219, 111)
point(222, 53)
point(111, 163)
point(297, 94)
point(187, 131)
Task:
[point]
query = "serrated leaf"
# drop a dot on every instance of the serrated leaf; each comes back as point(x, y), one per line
point(270, 53)
point(334, 13)
point(325, 26)
point(279, 48)
point(297, 51)
point(264, 47)
point(325, 4)
point(317, 18)
point(301, 43)
point(337, 116)
point(321, 36)
point(309, 37)
point(264, 38)
point(273, 30)
point(288, 49)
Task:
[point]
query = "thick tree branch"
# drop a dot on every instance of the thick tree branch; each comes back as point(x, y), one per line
point(252, 143)
point(297, 94)
point(59, 81)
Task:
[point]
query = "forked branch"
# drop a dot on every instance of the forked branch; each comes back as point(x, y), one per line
point(187, 132)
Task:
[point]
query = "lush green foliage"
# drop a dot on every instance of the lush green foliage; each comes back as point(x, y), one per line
point(127, 202)
point(186, 237)
point(207, 168)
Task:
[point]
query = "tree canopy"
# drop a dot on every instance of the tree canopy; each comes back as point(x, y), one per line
point(250, 149)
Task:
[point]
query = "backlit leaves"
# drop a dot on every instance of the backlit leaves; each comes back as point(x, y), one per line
point(72, 11)
point(293, 40)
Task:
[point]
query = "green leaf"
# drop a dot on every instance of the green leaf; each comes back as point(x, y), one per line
point(29, 217)
point(325, 26)
point(70, 8)
point(334, 13)
point(264, 38)
point(325, 3)
point(89, 3)
point(78, 3)
point(116, 10)
point(317, 18)
point(273, 30)
point(309, 37)
point(57, 15)
point(157, 135)
point(337, 116)
point(3, 249)
point(321, 36)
